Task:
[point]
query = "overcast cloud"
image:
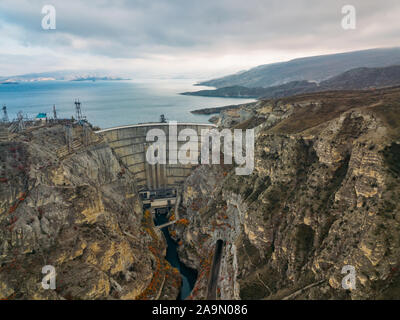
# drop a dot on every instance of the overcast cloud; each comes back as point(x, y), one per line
point(151, 38)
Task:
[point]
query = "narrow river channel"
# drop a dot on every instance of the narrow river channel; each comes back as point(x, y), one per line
point(188, 275)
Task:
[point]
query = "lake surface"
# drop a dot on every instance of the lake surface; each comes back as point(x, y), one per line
point(188, 275)
point(111, 103)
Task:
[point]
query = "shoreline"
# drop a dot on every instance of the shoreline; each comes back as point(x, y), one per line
point(218, 110)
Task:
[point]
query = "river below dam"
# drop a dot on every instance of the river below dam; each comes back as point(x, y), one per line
point(189, 276)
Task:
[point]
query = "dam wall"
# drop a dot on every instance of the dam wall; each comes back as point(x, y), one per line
point(130, 145)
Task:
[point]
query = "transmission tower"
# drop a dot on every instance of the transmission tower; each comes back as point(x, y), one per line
point(78, 110)
point(21, 123)
point(54, 112)
point(5, 115)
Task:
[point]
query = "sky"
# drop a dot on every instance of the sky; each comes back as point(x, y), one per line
point(185, 38)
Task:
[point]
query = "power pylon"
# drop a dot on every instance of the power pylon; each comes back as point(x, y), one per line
point(21, 123)
point(54, 112)
point(5, 115)
point(78, 111)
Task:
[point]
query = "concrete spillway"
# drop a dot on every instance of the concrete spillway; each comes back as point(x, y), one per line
point(129, 143)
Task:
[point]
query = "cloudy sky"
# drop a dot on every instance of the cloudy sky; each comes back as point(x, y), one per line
point(191, 38)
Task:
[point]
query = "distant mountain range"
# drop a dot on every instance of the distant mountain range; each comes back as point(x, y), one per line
point(355, 79)
point(316, 68)
point(61, 75)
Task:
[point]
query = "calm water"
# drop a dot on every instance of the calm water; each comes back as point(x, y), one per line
point(111, 103)
point(188, 275)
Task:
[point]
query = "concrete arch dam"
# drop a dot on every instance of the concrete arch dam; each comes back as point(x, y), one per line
point(129, 143)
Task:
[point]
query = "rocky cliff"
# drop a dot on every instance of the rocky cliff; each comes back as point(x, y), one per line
point(79, 212)
point(323, 195)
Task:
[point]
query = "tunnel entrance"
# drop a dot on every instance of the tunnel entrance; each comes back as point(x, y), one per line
point(213, 280)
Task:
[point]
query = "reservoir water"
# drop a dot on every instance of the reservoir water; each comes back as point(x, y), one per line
point(188, 275)
point(111, 103)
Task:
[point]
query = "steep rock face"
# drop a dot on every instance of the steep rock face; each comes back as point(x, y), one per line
point(321, 197)
point(81, 214)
